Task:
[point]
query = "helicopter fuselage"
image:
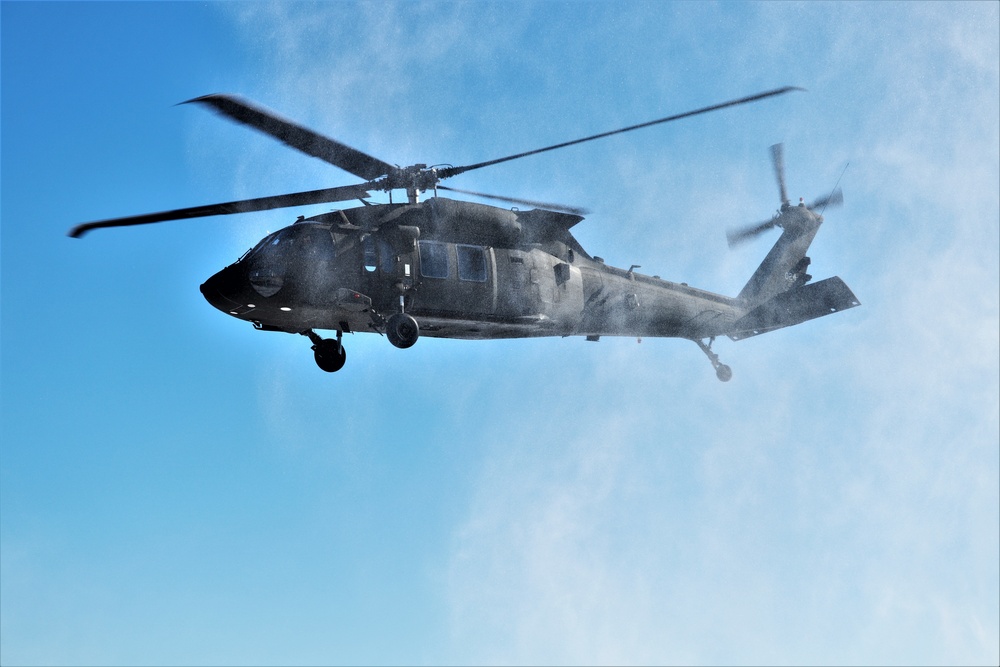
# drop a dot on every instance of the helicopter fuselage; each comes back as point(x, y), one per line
point(350, 270)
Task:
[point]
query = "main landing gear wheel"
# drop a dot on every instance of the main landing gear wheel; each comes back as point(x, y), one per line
point(329, 353)
point(402, 330)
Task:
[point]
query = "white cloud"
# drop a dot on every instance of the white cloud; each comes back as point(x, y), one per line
point(837, 502)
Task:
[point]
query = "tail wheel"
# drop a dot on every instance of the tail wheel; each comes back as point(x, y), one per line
point(722, 371)
point(402, 330)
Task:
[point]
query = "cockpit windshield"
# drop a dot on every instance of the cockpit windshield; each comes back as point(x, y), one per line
point(305, 240)
point(296, 255)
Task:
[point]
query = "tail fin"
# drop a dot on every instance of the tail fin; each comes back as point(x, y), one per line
point(777, 295)
point(785, 266)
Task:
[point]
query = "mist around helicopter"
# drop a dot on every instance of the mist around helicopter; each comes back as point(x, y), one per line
point(179, 488)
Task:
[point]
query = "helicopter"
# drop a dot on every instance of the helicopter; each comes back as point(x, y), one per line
point(447, 268)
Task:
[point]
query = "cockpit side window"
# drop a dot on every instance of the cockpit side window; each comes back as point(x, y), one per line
point(370, 254)
point(387, 256)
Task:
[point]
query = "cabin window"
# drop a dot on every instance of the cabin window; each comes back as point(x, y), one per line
point(433, 259)
point(471, 263)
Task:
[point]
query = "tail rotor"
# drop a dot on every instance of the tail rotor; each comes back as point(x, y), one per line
point(786, 213)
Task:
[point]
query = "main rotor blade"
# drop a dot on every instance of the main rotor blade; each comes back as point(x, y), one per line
point(343, 193)
point(454, 171)
point(739, 235)
point(778, 160)
point(835, 198)
point(312, 143)
point(526, 202)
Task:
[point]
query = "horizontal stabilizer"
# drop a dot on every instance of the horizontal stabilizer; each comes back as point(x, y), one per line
point(794, 307)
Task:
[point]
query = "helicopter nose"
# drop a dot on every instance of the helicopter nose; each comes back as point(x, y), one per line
point(224, 291)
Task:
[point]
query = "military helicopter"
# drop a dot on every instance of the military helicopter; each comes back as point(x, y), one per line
point(456, 269)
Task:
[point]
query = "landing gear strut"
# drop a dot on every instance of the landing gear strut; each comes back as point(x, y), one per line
point(722, 371)
point(330, 354)
point(402, 330)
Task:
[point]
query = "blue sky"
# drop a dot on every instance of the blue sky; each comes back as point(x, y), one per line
point(178, 488)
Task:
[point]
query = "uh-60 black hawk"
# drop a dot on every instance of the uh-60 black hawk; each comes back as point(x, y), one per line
point(455, 269)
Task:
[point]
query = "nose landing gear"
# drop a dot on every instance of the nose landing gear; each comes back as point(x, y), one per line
point(722, 371)
point(329, 353)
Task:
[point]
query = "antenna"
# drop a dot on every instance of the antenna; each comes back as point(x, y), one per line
point(830, 198)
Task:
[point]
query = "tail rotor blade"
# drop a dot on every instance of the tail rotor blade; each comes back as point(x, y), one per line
point(835, 198)
point(778, 160)
point(743, 234)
